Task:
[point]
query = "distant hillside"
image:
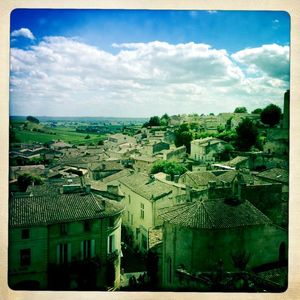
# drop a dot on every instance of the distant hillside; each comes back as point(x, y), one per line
point(84, 119)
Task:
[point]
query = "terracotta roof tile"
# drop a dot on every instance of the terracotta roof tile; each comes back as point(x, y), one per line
point(214, 214)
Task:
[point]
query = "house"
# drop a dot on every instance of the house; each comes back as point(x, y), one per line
point(16, 171)
point(144, 196)
point(176, 154)
point(143, 163)
point(276, 175)
point(104, 169)
point(58, 145)
point(206, 149)
point(266, 196)
point(198, 179)
point(119, 138)
point(154, 147)
point(69, 240)
point(202, 236)
point(236, 163)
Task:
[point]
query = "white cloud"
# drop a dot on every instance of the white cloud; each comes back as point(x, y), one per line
point(273, 60)
point(62, 76)
point(23, 32)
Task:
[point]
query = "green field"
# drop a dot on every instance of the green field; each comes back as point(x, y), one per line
point(68, 135)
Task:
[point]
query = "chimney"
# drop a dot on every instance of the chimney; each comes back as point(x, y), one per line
point(176, 178)
point(88, 188)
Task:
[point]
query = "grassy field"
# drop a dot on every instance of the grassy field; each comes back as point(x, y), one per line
point(65, 134)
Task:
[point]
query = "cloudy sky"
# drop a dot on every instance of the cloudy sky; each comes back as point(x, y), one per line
point(126, 63)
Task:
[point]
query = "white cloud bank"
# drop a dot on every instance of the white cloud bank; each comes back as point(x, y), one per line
point(62, 76)
point(23, 32)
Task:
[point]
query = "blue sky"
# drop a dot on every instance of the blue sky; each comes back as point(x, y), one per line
point(123, 51)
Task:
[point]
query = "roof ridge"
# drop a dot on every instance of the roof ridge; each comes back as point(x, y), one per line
point(209, 217)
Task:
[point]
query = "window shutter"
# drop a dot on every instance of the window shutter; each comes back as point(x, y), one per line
point(69, 252)
point(92, 248)
point(57, 254)
point(81, 250)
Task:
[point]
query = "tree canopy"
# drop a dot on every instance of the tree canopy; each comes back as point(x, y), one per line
point(184, 136)
point(241, 109)
point(168, 167)
point(270, 115)
point(24, 180)
point(33, 119)
point(247, 134)
point(257, 111)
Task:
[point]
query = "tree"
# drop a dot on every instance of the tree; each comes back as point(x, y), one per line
point(87, 137)
point(270, 115)
point(164, 120)
point(184, 138)
point(247, 134)
point(256, 111)
point(24, 180)
point(169, 167)
point(241, 109)
point(154, 121)
point(225, 154)
point(33, 119)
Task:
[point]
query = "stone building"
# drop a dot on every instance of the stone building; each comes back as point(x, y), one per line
point(206, 149)
point(143, 197)
point(202, 235)
point(69, 240)
point(104, 169)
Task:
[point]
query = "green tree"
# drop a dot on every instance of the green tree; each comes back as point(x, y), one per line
point(87, 137)
point(33, 119)
point(225, 154)
point(270, 115)
point(257, 111)
point(24, 180)
point(164, 120)
point(184, 136)
point(154, 121)
point(241, 109)
point(247, 134)
point(169, 167)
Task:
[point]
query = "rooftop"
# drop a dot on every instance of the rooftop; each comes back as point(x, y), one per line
point(276, 174)
point(146, 187)
point(50, 209)
point(214, 214)
point(199, 178)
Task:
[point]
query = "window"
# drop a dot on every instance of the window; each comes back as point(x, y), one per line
point(25, 234)
point(111, 244)
point(129, 199)
point(87, 249)
point(63, 229)
point(128, 216)
point(87, 225)
point(63, 253)
point(142, 211)
point(25, 257)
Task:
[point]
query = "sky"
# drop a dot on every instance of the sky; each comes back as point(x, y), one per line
point(140, 63)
